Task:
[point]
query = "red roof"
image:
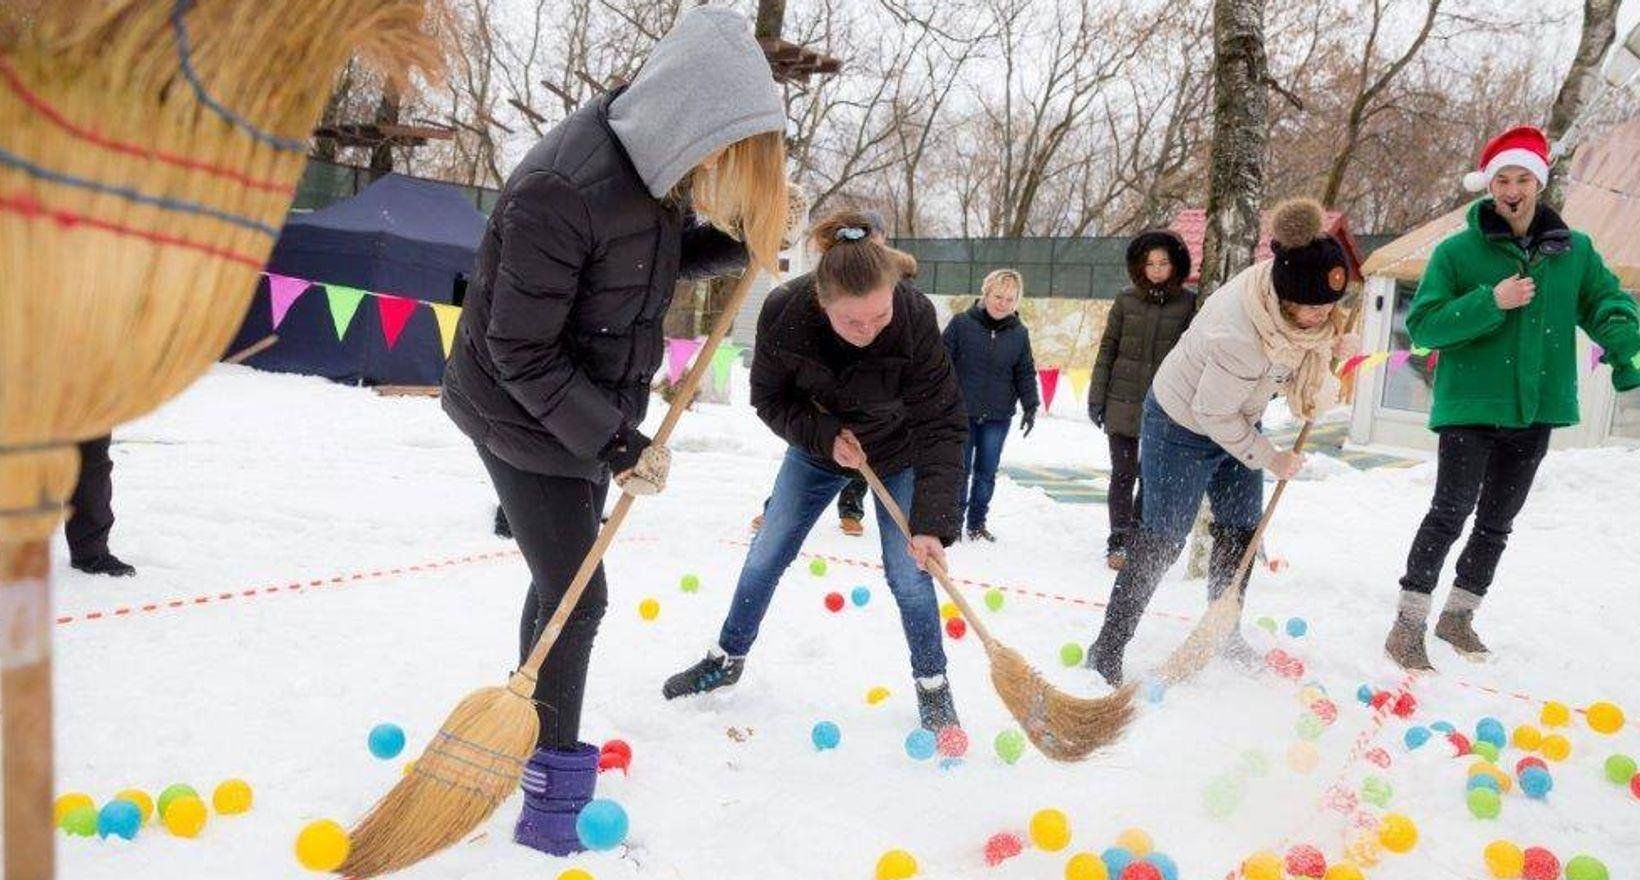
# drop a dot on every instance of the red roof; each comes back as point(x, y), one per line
point(1191, 225)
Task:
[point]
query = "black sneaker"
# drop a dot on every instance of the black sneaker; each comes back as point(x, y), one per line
point(107, 564)
point(713, 672)
point(935, 708)
point(981, 534)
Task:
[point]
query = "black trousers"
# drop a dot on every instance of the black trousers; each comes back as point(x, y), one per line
point(555, 521)
point(93, 503)
point(1125, 500)
point(851, 502)
point(1485, 470)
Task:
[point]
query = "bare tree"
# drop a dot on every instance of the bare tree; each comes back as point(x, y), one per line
point(1240, 133)
point(1598, 32)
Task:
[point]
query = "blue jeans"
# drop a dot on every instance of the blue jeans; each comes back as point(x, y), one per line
point(981, 454)
point(802, 491)
point(1177, 467)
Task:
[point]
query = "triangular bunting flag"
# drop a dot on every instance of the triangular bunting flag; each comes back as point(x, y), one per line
point(1420, 351)
point(722, 360)
point(1375, 359)
point(678, 354)
point(1350, 365)
point(395, 312)
point(1398, 359)
point(448, 317)
point(1080, 378)
point(1049, 377)
point(282, 292)
point(1595, 354)
point(344, 301)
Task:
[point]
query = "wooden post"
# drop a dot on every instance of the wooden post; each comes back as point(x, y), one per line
point(25, 710)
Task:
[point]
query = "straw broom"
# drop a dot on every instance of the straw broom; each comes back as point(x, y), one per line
point(476, 759)
point(149, 150)
point(1063, 727)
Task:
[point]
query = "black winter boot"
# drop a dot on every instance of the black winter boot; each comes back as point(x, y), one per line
point(1148, 557)
point(106, 564)
point(716, 670)
point(935, 708)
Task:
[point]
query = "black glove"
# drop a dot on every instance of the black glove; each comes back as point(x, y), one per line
point(1027, 421)
point(1097, 413)
point(624, 448)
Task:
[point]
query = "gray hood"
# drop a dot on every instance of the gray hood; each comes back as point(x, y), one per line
point(705, 86)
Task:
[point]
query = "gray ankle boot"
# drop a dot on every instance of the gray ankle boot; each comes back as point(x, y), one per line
point(1456, 627)
point(1405, 644)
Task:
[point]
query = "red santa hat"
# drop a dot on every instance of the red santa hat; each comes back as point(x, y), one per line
point(1524, 146)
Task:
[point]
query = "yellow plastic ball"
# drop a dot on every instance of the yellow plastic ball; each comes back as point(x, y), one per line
point(322, 846)
point(1365, 851)
point(896, 864)
point(1487, 768)
point(1050, 830)
point(876, 695)
point(1344, 871)
point(185, 816)
point(1605, 717)
point(1556, 747)
point(68, 803)
point(1086, 866)
point(949, 610)
point(1555, 714)
point(1310, 695)
point(1136, 841)
point(139, 799)
point(1527, 738)
point(1397, 833)
point(649, 609)
point(232, 798)
point(575, 874)
point(1504, 859)
point(1263, 866)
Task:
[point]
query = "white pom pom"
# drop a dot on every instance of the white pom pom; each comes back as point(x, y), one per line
point(1476, 181)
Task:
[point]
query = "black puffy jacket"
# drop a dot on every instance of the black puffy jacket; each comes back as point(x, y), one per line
point(898, 394)
point(993, 363)
point(560, 333)
point(1143, 325)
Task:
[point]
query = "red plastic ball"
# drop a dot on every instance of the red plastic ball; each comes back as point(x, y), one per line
point(1325, 709)
point(1276, 659)
point(613, 761)
point(1405, 705)
point(1293, 669)
point(1541, 864)
point(1634, 785)
point(952, 741)
point(1001, 847)
point(1306, 861)
point(1529, 761)
point(1142, 871)
point(834, 602)
point(956, 627)
point(1380, 699)
point(1461, 743)
point(619, 746)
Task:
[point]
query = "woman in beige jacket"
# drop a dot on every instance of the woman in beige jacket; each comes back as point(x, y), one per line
point(1272, 330)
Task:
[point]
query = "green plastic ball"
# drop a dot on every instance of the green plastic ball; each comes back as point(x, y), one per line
point(817, 567)
point(690, 583)
point(1620, 769)
point(994, 599)
point(173, 792)
point(1010, 745)
point(1070, 654)
point(1486, 750)
point(1484, 803)
point(1586, 868)
point(80, 821)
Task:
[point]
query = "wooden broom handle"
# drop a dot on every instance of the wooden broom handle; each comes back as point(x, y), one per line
point(606, 535)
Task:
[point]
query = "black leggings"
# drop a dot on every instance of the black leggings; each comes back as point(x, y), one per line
point(92, 517)
point(555, 521)
point(1125, 500)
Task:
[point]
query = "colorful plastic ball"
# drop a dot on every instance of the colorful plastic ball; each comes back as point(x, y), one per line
point(1263, 866)
point(141, 800)
point(817, 567)
point(1491, 730)
point(1165, 864)
point(606, 761)
point(1634, 785)
point(1397, 833)
point(322, 846)
point(1086, 866)
point(1487, 768)
point(171, 793)
point(1604, 717)
point(1536, 783)
point(185, 817)
point(1586, 868)
point(1483, 780)
point(1310, 727)
point(826, 735)
point(1326, 710)
point(68, 803)
point(951, 741)
point(1010, 745)
point(994, 599)
point(1296, 627)
point(1486, 750)
point(649, 609)
point(1344, 871)
point(834, 602)
point(1070, 654)
point(1116, 860)
point(1141, 871)
point(1223, 796)
point(1405, 705)
point(80, 821)
point(386, 741)
point(232, 797)
point(896, 864)
point(120, 818)
point(689, 584)
point(1527, 738)
point(1555, 714)
point(1306, 861)
point(1050, 830)
point(1540, 864)
point(1255, 763)
point(1460, 744)
point(1556, 747)
point(1443, 727)
point(1377, 791)
point(1529, 761)
point(617, 746)
point(860, 596)
point(1267, 623)
point(1364, 849)
point(1303, 757)
point(1620, 768)
point(949, 610)
point(1415, 737)
point(876, 695)
point(1504, 860)
point(1001, 847)
point(576, 874)
point(956, 627)
point(1484, 803)
point(601, 825)
point(1363, 695)
point(950, 763)
point(920, 744)
point(1136, 841)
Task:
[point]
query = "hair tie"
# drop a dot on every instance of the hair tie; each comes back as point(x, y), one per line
point(851, 233)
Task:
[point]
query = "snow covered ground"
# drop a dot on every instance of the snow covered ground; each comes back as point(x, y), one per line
point(280, 485)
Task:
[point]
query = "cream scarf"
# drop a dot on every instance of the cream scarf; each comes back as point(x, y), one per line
point(1308, 353)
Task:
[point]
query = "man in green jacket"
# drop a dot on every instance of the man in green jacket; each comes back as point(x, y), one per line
point(1501, 301)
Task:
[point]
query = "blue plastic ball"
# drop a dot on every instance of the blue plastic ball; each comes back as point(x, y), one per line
point(1363, 695)
point(860, 596)
point(1536, 782)
point(1416, 737)
point(1165, 864)
point(386, 741)
point(1443, 727)
point(920, 744)
point(602, 825)
point(1296, 627)
point(1491, 730)
point(1116, 860)
point(121, 818)
point(826, 735)
point(1482, 780)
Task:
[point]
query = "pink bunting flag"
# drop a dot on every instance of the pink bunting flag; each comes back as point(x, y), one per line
point(1049, 378)
point(1595, 354)
point(282, 293)
point(678, 354)
point(1398, 359)
point(395, 312)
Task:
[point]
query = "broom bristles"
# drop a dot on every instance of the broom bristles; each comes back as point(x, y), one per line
point(1211, 631)
point(470, 767)
point(1061, 726)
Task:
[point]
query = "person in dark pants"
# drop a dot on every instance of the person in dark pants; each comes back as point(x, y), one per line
point(1502, 300)
point(991, 353)
point(1144, 323)
point(91, 515)
point(680, 174)
point(849, 370)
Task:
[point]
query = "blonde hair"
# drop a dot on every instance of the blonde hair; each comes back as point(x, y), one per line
point(1002, 276)
point(744, 194)
point(852, 262)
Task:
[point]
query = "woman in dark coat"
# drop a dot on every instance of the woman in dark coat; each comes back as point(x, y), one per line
point(991, 352)
point(849, 369)
point(560, 333)
point(1144, 324)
